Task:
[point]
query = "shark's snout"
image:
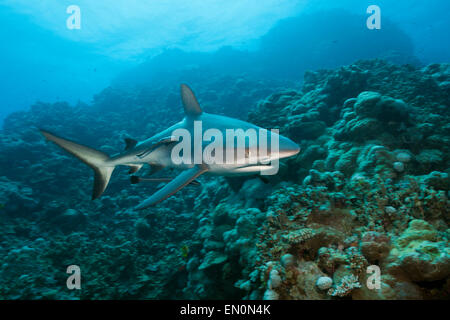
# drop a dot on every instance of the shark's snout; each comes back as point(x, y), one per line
point(288, 148)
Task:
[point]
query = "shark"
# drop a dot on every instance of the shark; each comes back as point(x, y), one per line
point(158, 152)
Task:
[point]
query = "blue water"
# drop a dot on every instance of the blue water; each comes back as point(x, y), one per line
point(43, 60)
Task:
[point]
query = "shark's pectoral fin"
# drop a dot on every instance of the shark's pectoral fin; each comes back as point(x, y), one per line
point(136, 180)
point(173, 186)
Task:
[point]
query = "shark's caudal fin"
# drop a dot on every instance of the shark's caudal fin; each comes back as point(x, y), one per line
point(93, 158)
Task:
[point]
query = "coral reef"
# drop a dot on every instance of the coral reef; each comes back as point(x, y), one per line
point(371, 187)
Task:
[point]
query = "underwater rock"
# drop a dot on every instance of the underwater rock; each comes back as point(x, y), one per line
point(254, 192)
point(429, 158)
point(328, 259)
point(221, 216)
point(270, 295)
point(212, 258)
point(374, 105)
point(243, 285)
point(143, 229)
point(246, 225)
point(349, 104)
point(422, 253)
point(366, 104)
point(192, 264)
point(391, 288)
point(311, 154)
point(437, 180)
point(375, 246)
point(359, 129)
point(16, 199)
point(309, 130)
point(71, 220)
point(347, 161)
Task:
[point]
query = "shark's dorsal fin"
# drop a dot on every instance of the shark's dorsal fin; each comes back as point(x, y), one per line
point(190, 103)
point(130, 143)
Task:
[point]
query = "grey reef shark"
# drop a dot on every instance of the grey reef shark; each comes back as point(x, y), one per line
point(257, 151)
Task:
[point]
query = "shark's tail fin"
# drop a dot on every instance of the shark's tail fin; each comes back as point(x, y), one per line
point(95, 159)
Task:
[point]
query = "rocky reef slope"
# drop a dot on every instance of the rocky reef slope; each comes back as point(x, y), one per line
point(370, 188)
point(368, 191)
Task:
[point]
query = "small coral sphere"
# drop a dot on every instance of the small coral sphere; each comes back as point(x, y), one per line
point(274, 279)
point(399, 166)
point(287, 260)
point(403, 157)
point(324, 283)
point(390, 210)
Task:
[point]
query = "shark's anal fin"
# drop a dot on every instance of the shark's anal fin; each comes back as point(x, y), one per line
point(155, 168)
point(182, 180)
point(190, 103)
